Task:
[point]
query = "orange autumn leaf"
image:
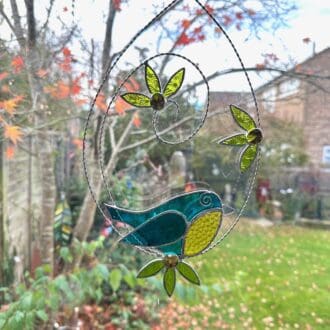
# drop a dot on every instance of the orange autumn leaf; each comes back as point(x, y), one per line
point(75, 88)
point(5, 89)
point(217, 30)
point(10, 152)
point(260, 66)
point(63, 90)
point(66, 52)
point(10, 105)
point(80, 102)
point(186, 23)
point(60, 91)
point(121, 106)
point(66, 64)
point(136, 120)
point(3, 75)
point(42, 73)
point(100, 102)
point(17, 63)
point(13, 133)
point(50, 90)
point(132, 85)
point(135, 84)
point(116, 4)
point(78, 143)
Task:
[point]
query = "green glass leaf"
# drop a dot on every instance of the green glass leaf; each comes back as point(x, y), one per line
point(234, 140)
point(151, 268)
point(247, 157)
point(136, 99)
point(188, 273)
point(174, 83)
point(242, 118)
point(169, 281)
point(152, 80)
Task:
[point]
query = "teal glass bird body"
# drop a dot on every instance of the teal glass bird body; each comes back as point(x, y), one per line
point(166, 225)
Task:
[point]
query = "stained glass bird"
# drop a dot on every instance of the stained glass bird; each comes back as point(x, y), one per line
point(183, 226)
point(250, 139)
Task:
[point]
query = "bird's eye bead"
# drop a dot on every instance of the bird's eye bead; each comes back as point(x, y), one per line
point(206, 199)
point(254, 136)
point(157, 101)
point(171, 260)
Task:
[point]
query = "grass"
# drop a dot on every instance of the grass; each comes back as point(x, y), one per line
point(262, 278)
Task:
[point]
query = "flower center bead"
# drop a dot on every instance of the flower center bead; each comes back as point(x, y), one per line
point(171, 260)
point(157, 101)
point(254, 136)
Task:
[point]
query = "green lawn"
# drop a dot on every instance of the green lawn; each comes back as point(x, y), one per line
point(276, 277)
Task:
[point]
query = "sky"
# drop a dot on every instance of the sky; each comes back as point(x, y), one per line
point(312, 19)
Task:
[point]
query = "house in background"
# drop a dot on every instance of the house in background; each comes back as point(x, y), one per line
point(302, 97)
point(304, 101)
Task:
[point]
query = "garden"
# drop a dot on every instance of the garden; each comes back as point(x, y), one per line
point(98, 135)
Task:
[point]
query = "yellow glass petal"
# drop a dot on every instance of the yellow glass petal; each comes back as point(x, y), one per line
point(175, 83)
point(152, 80)
point(202, 232)
point(242, 118)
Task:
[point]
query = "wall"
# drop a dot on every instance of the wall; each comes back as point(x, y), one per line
point(317, 109)
point(308, 106)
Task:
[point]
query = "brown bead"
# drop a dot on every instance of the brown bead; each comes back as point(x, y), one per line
point(171, 260)
point(157, 101)
point(254, 136)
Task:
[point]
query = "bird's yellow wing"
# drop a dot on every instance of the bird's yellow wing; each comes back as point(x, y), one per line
point(202, 232)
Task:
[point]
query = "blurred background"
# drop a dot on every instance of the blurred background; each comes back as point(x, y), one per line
point(61, 265)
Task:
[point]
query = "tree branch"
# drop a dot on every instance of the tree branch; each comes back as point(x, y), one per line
point(6, 18)
point(168, 129)
point(17, 24)
point(49, 11)
point(112, 133)
point(217, 74)
point(31, 22)
point(108, 41)
point(112, 161)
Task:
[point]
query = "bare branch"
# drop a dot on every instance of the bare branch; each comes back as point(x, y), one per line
point(168, 129)
point(92, 59)
point(17, 24)
point(217, 74)
point(57, 121)
point(29, 4)
point(65, 39)
point(49, 11)
point(112, 133)
point(108, 41)
point(110, 166)
point(6, 18)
